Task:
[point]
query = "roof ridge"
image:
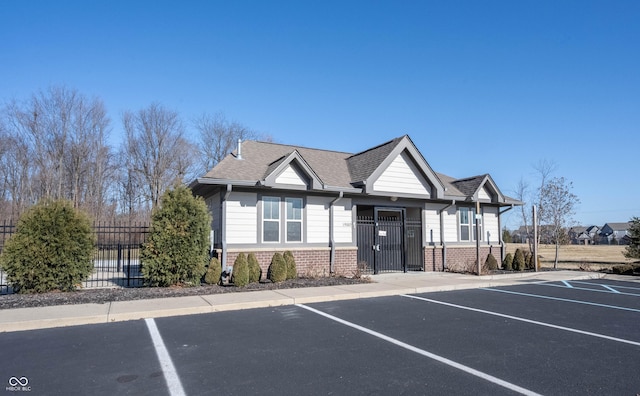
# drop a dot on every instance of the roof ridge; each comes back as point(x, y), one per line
point(396, 139)
point(471, 177)
point(296, 147)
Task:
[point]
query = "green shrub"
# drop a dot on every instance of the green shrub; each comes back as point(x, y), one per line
point(52, 249)
point(490, 264)
point(507, 264)
point(255, 272)
point(177, 251)
point(277, 269)
point(240, 274)
point(528, 260)
point(518, 261)
point(625, 269)
point(212, 277)
point(291, 265)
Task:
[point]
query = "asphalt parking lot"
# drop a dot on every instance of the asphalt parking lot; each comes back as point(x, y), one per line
point(554, 338)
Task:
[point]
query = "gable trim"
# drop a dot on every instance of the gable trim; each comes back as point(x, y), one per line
point(406, 145)
point(294, 160)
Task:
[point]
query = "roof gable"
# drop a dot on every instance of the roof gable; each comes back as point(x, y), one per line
point(479, 188)
point(399, 158)
point(292, 171)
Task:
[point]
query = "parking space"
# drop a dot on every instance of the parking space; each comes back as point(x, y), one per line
point(577, 337)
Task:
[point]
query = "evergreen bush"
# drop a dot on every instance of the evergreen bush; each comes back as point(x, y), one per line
point(52, 249)
point(177, 250)
point(633, 249)
point(277, 269)
point(240, 274)
point(518, 261)
point(291, 265)
point(255, 272)
point(624, 269)
point(490, 264)
point(528, 260)
point(212, 277)
point(507, 264)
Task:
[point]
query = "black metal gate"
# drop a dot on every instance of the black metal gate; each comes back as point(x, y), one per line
point(389, 242)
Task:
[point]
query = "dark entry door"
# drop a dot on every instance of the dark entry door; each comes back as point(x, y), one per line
point(389, 239)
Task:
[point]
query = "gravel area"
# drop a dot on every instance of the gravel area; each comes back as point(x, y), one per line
point(105, 295)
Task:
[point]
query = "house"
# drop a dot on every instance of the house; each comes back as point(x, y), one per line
point(614, 233)
point(383, 209)
point(578, 235)
point(522, 234)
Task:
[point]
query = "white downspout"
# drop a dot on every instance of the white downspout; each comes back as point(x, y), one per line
point(332, 242)
point(442, 242)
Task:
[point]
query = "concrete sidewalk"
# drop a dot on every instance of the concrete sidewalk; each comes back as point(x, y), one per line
point(20, 319)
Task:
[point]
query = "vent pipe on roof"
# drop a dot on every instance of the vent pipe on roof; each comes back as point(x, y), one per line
point(239, 156)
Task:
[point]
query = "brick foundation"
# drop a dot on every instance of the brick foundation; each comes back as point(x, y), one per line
point(459, 258)
point(309, 262)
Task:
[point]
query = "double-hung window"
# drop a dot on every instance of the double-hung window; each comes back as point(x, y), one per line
point(294, 219)
point(271, 219)
point(467, 221)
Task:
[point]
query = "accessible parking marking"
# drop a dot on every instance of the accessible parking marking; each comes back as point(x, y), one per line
point(168, 369)
point(562, 299)
point(609, 289)
point(428, 354)
point(524, 320)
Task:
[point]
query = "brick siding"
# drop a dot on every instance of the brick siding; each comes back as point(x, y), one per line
point(309, 262)
point(459, 258)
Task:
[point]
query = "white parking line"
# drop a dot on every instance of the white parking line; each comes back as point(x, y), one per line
point(610, 289)
point(563, 299)
point(168, 369)
point(602, 284)
point(567, 284)
point(606, 337)
point(422, 352)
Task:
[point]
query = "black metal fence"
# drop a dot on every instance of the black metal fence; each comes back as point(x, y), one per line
point(117, 255)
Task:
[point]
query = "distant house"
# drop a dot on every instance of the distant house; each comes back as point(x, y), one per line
point(383, 209)
point(580, 235)
point(614, 233)
point(521, 235)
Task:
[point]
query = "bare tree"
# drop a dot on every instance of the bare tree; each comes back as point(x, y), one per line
point(58, 149)
point(522, 192)
point(557, 206)
point(157, 153)
point(218, 137)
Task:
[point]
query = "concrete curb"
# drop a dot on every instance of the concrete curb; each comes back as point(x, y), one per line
point(21, 319)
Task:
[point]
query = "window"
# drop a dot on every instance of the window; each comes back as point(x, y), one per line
point(467, 220)
point(294, 219)
point(271, 219)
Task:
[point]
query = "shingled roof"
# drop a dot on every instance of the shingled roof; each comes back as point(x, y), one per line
point(334, 169)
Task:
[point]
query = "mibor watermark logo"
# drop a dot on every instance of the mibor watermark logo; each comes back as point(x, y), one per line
point(18, 384)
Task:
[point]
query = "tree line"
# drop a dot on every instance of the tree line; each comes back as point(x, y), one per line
point(54, 145)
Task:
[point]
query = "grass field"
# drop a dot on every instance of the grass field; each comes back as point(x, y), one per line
point(592, 257)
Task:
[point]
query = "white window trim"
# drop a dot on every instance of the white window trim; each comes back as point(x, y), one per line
point(287, 220)
point(264, 220)
point(471, 225)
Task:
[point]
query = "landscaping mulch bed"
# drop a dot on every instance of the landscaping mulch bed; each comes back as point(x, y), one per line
point(101, 296)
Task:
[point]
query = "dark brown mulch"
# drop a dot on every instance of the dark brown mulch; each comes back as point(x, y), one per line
point(101, 296)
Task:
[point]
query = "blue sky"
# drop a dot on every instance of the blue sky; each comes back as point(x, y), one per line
point(480, 86)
